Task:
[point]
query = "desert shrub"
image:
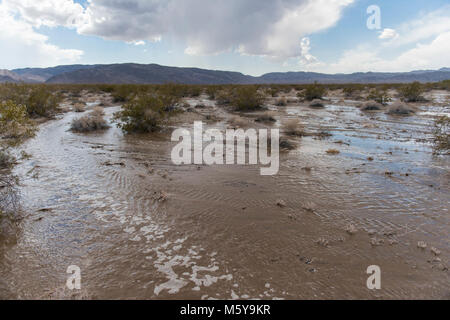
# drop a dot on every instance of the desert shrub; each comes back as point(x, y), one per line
point(14, 122)
point(314, 91)
point(6, 160)
point(379, 95)
point(42, 102)
point(98, 112)
point(442, 135)
point(79, 107)
point(123, 93)
point(317, 103)
point(281, 102)
point(412, 92)
point(145, 113)
point(89, 123)
point(266, 117)
point(401, 109)
point(293, 127)
point(8, 193)
point(371, 106)
point(223, 97)
point(247, 98)
point(237, 122)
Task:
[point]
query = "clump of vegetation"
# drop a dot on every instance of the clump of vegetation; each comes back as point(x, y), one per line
point(442, 135)
point(79, 107)
point(238, 122)
point(281, 102)
point(412, 92)
point(371, 106)
point(247, 98)
point(317, 103)
point(39, 100)
point(90, 123)
point(401, 109)
point(379, 95)
point(333, 151)
point(266, 117)
point(15, 124)
point(146, 113)
point(293, 127)
point(314, 91)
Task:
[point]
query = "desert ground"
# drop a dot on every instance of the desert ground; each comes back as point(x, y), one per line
point(357, 186)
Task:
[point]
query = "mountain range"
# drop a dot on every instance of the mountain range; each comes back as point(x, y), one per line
point(132, 73)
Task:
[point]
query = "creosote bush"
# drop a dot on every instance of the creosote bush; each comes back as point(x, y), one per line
point(293, 127)
point(314, 91)
point(15, 124)
point(247, 98)
point(412, 92)
point(379, 95)
point(146, 113)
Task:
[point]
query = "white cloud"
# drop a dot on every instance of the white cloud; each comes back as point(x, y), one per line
point(49, 13)
point(22, 45)
point(433, 55)
point(305, 56)
point(424, 27)
point(388, 34)
point(253, 27)
point(137, 43)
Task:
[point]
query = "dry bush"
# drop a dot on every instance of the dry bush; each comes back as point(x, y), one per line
point(89, 123)
point(281, 102)
point(293, 127)
point(266, 117)
point(401, 109)
point(98, 112)
point(79, 107)
point(442, 135)
point(371, 106)
point(238, 122)
point(333, 151)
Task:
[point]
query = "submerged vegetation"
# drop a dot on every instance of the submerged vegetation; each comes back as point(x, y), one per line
point(146, 113)
point(442, 135)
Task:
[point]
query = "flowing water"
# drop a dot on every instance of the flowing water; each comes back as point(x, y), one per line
point(140, 227)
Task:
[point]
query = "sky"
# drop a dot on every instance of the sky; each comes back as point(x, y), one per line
point(249, 36)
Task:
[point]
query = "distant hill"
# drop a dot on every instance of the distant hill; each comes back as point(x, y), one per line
point(9, 76)
point(156, 74)
point(43, 74)
point(149, 74)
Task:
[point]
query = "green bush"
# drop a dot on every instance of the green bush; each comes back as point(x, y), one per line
point(145, 113)
point(412, 92)
point(14, 122)
point(247, 98)
point(379, 95)
point(314, 91)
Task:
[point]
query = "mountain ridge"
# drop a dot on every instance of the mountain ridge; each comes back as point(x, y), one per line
point(133, 73)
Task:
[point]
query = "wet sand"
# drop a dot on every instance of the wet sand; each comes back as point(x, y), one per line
point(140, 227)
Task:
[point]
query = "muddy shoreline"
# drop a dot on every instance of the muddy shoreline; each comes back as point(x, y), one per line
point(140, 227)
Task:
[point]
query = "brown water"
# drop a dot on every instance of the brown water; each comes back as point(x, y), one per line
point(95, 201)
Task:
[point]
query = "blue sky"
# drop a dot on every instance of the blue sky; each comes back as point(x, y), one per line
point(249, 36)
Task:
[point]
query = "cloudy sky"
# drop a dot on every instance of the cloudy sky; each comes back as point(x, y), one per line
point(250, 36)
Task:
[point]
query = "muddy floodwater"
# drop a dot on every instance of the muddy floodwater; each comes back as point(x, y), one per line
point(140, 227)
